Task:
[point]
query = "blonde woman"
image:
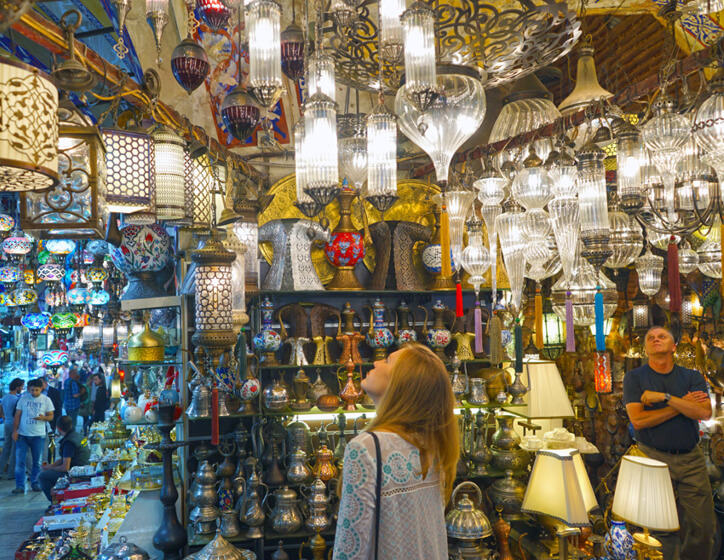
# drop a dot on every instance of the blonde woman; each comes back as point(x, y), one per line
point(418, 442)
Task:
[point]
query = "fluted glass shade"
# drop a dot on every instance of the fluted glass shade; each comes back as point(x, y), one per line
point(320, 144)
point(418, 23)
point(710, 251)
point(353, 160)
point(708, 130)
point(547, 396)
point(459, 204)
point(263, 24)
point(627, 239)
point(300, 165)
point(451, 119)
point(582, 286)
point(564, 217)
point(391, 32)
point(509, 227)
point(531, 186)
point(629, 158)
point(559, 487)
point(592, 198)
point(248, 235)
point(644, 494)
point(475, 258)
point(169, 173)
point(321, 75)
point(649, 268)
point(381, 154)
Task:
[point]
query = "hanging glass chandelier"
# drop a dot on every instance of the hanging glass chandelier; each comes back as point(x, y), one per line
point(509, 227)
point(214, 12)
point(629, 156)
point(491, 193)
point(320, 148)
point(292, 49)
point(381, 157)
point(649, 268)
point(710, 254)
point(627, 238)
point(263, 24)
point(353, 159)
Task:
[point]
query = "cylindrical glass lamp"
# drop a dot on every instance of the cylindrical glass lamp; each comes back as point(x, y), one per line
point(418, 23)
point(169, 165)
point(391, 32)
point(320, 148)
point(321, 75)
point(629, 158)
point(263, 23)
point(381, 158)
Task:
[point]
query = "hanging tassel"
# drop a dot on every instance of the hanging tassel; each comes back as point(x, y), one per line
point(446, 265)
point(478, 317)
point(598, 310)
point(215, 415)
point(674, 280)
point(518, 347)
point(539, 341)
point(570, 330)
point(459, 312)
point(495, 333)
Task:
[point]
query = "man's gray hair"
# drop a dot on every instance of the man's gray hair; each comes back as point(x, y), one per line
point(662, 328)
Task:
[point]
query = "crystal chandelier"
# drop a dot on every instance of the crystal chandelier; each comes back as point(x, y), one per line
point(509, 227)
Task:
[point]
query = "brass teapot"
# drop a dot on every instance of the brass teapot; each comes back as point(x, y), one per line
point(467, 523)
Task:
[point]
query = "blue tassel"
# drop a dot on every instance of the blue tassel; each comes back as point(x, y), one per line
point(600, 334)
point(518, 333)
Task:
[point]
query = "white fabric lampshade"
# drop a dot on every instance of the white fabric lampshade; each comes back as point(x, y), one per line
point(547, 396)
point(559, 487)
point(644, 494)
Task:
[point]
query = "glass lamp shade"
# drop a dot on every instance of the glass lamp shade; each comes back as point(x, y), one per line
point(292, 52)
point(509, 227)
point(157, 15)
point(640, 312)
point(695, 179)
point(54, 358)
point(96, 274)
point(35, 321)
point(710, 251)
point(665, 136)
point(459, 204)
point(263, 24)
point(214, 13)
point(644, 494)
point(562, 172)
point(531, 186)
point(17, 245)
point(592, 198)
point(490, 186)
point(203, 180)
point(453, 117)
point(391, 32)
point(240, 116)
point(582, 285)
point(320, 148)
point(549, 267)
point(564, 215)
point(7, 223)
point(169, 166)
point(475, 258)
point(10, 274)
point(381, 158)
point(190, 64)
point(708, 129)
point(130, 175)
point(304, 201)
point(342, 13)
point(627, 239)
point(62, 322)
point(60, 246)
point(628, 172)
point(321, 75)
point(76, 206)
point(99, 297)
point(247, 232)
point(28, 144)
point(418, 24)
point(559, 487)
point(536, 228)
point(688, 259)
point(213, 286)
point(78, 296)
point(649, 268)
point(353, 160)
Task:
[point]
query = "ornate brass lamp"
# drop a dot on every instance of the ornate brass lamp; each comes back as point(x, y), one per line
point(76, 207)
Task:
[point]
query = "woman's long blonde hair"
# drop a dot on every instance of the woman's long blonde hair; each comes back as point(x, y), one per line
point(418, 405)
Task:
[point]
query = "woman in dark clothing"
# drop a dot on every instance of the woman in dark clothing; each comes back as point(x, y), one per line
point(101, 403)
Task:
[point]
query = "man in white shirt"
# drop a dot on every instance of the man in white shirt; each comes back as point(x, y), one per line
point(32, 413)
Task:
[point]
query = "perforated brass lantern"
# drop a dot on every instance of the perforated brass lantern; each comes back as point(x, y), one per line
point(213, 298)
point(130, 175)
point(29, 134)
point(76, 207)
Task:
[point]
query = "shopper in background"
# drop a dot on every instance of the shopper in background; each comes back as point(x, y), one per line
point(418, 444)
point(32, 413)
point(74, 451)
point(56, 397)
point(86, 406)
point(7, 412)
point(101, 402)
point(71, 395)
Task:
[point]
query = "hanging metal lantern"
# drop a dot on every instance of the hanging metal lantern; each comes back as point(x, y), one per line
point(214, 13)
point(189, 64)
point(28, 143)
point(76, 208)
point(157, 18)
point(292, 39)
point(240, 116)
point(169, 164)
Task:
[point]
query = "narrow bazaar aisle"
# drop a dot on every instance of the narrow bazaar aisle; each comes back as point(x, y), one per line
point(18, 516)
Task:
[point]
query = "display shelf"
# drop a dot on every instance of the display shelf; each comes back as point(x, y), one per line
point(147, 423)
point(151, 303)
point(349, 293)
point(136, 363)
point(202, 540)
point(310, 367)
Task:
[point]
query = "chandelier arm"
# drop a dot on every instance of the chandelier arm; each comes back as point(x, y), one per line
point(707, 213)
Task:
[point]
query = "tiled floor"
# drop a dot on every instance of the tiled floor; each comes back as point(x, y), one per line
point(18, 515)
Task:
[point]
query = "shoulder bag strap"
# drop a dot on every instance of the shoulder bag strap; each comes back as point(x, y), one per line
point(378, 491)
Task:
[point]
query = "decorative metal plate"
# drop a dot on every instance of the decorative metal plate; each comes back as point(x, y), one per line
point(506, 39)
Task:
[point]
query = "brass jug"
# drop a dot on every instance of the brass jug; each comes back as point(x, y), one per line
point(464, 348)
point(324, 468)
point(285, 517)
point(301, 389)
point(348, 337)
point(467, 524)
point(146, 346)
point(349, 394)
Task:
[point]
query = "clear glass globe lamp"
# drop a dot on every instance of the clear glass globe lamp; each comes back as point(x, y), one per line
point(475, 258)
point(582, 285)
point(708, 128)
point(531, 186)
point(649, 268)
point(710, 251)
point(627, 239)
point(688, 259)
